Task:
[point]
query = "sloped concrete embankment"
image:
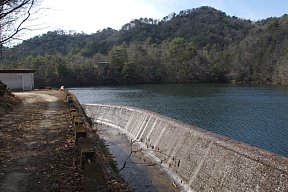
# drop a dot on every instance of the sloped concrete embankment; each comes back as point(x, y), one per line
point(198, 160)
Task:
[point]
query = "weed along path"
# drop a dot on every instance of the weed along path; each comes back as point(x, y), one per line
point(37, 151)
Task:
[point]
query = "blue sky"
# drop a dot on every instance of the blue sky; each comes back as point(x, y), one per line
point(88, 16)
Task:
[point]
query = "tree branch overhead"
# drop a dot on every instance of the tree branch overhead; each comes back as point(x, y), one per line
point(13, 14)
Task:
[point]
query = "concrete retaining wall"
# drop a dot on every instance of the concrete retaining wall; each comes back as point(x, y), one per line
point(201, 160)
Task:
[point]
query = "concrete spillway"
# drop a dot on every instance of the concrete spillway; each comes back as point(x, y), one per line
point(198, 160)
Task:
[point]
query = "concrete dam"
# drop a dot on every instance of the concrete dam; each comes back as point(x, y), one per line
point(196, 159)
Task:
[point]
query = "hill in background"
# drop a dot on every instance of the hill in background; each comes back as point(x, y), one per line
point(197, 45)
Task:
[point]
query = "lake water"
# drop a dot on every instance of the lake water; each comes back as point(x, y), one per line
point(257, 115)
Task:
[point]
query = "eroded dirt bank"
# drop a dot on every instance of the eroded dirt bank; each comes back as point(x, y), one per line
point(37, 150)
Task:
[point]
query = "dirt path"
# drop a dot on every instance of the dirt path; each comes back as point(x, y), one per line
point(37, 150)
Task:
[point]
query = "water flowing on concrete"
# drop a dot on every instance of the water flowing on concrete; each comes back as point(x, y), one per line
point(196, 159)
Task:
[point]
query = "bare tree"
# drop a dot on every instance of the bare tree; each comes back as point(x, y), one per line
point(13, 15)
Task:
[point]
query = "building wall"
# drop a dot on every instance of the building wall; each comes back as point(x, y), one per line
point(201, 160)
point(18, 81)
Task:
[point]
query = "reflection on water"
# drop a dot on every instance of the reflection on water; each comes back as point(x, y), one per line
point(257, 115)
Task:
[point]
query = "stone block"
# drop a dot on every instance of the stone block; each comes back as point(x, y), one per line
point(80, 131)
point(69, 99)
point(86, 150)
point(78, 121)
point(74, 114)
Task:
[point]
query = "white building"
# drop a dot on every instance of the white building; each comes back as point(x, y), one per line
point(18, 79)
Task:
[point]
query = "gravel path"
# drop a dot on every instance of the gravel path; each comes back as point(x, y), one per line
point(37, 151)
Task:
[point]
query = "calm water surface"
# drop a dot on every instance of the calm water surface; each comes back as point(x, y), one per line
point(257, 115)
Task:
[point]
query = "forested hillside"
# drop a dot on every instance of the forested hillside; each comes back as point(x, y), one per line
point(198, 45)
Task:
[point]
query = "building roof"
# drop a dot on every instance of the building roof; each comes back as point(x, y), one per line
point(17, 71)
